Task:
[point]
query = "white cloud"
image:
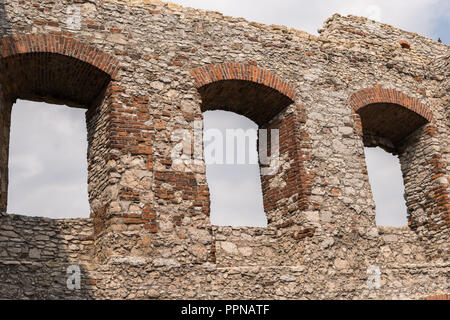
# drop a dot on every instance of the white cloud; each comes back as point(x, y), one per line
point(47, 164)
point(24, 166)
point(57, 200)
point(236, 195)
point(386, 181)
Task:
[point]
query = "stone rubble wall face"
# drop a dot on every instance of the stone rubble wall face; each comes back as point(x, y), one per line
point(5, 123)
point(150, 236)
point(342, 28)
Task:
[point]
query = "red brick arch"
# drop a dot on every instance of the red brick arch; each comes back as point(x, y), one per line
point(29, 43)
point(377, 94)
point(261, 96)
point(237, 71)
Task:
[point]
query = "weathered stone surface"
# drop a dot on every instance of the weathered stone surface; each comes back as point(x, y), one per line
point(143, 69)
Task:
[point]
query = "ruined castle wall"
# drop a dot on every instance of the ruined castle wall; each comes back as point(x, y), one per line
point(36, 252)
point(355, 28)
point(5, 122)
point(43, 239)
point(400, 245)
point(102, 177)
point(426, 185)
point(441, 70)
point(154, 236)
point(441, 67)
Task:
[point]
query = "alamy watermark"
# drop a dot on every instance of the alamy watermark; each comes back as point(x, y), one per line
point(226, 148)
point(74, 278)
point(73, 20)
point(374, 277)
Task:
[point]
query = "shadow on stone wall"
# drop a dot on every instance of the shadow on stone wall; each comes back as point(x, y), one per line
point(5, 110)
point(5, 26)
point(36, 255)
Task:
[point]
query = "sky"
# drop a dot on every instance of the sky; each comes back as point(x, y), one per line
point(48, 161)
point(48, 166)
point(236, 195)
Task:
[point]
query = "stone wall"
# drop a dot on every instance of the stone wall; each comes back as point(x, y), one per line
point(5, 122)
point(352, 28)
point(155, 68)
point(36, 252)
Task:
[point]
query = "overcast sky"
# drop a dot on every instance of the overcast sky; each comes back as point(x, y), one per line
point(48, 161)
point(236, 195)
point(48, 169)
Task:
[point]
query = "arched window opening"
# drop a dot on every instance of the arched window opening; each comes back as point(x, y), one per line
point(232, 170)
point(47, 161)
point(54, 70)
point(399, 125)
point(386, 181)
point(268, 101)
